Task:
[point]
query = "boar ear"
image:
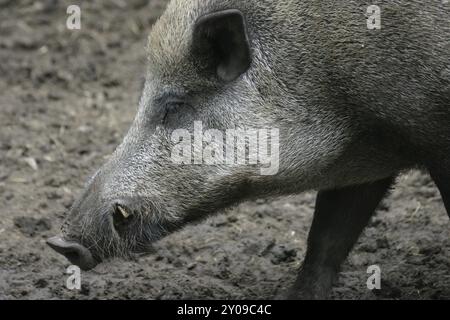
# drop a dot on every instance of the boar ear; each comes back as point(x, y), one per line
point(221, 40)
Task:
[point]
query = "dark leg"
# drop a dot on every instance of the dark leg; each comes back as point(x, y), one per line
point(339, 219)
point(442, 181)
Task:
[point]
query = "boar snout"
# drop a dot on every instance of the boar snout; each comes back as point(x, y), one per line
point(97, 229)
point(74, 252)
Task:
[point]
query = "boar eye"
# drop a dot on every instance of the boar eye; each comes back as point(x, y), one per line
point(175, 107)
point(172, 108)
point(122, 218)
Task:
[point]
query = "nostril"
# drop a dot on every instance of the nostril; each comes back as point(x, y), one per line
point(122, 217)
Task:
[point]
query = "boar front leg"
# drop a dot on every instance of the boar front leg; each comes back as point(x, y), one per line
point(339, 219)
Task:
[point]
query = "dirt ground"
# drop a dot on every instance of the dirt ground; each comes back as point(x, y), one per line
point(66, 100)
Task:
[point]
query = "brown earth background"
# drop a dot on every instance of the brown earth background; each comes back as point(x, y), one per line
point(66, 100)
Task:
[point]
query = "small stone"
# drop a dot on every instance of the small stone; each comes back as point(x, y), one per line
point(32, 163)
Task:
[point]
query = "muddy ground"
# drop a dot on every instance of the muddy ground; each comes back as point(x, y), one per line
point(67, 98)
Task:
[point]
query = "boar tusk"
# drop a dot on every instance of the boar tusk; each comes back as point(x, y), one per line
point(123, 212)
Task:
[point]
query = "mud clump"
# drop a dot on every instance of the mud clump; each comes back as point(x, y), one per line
point(32, 226)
